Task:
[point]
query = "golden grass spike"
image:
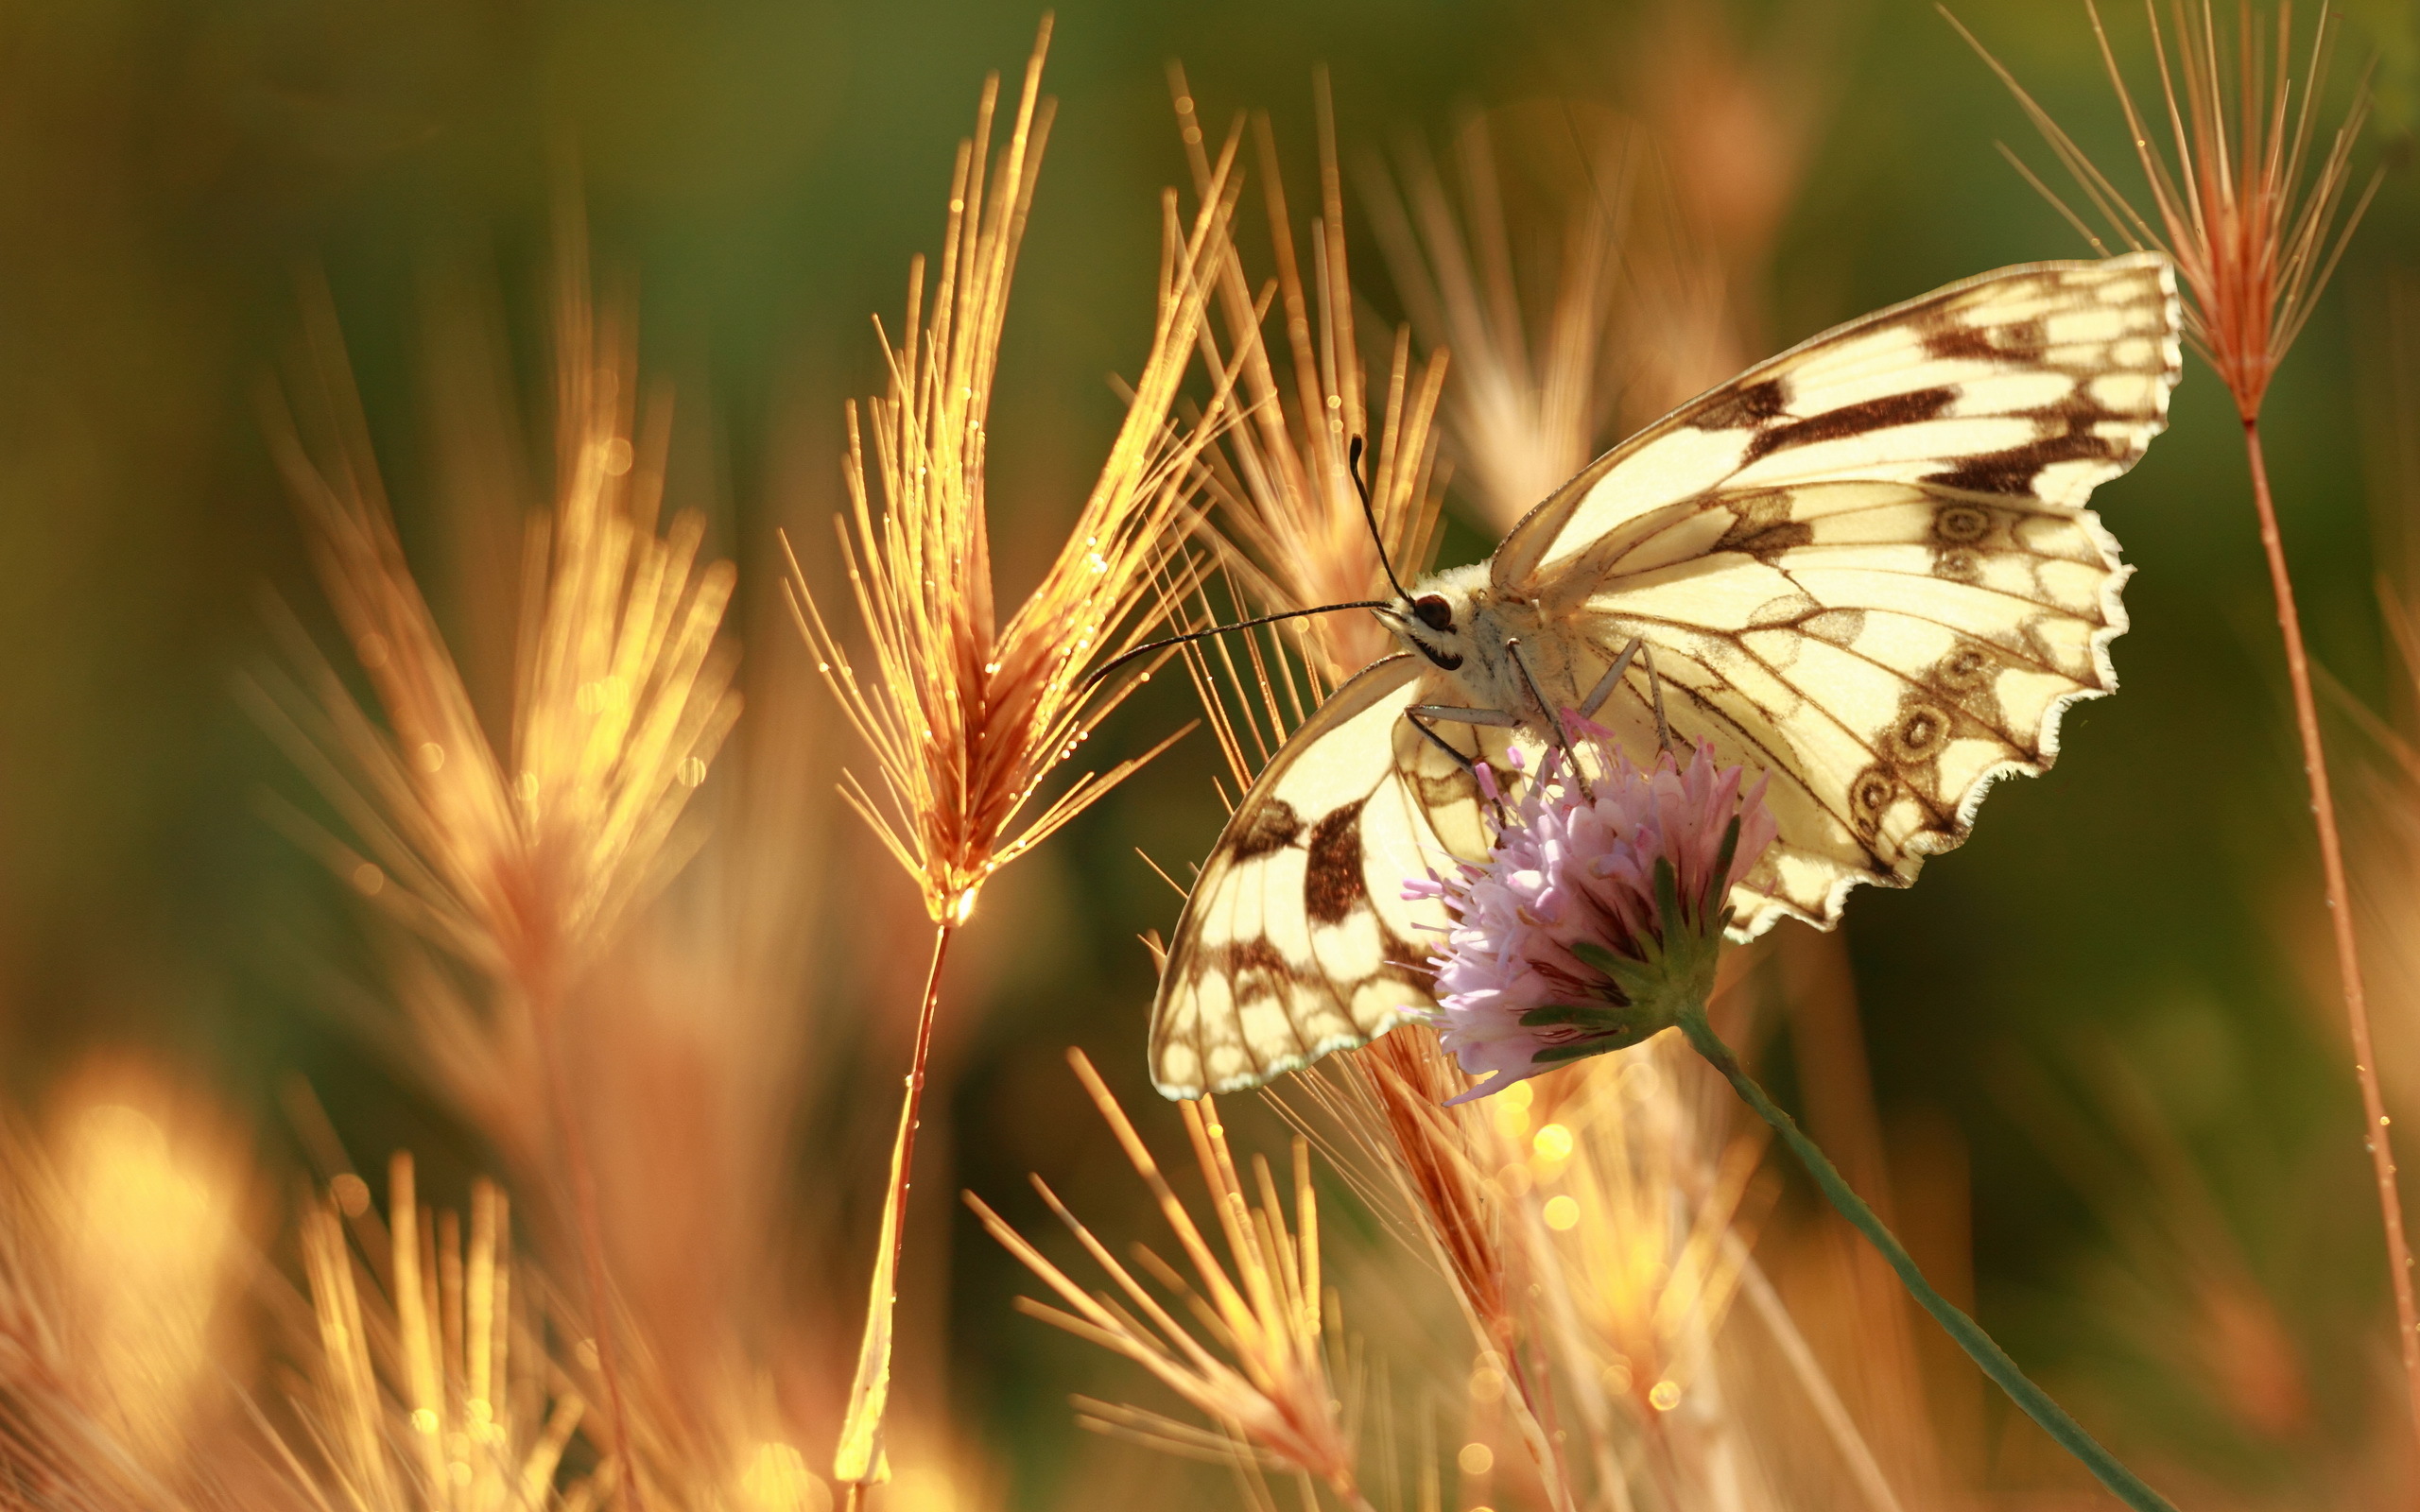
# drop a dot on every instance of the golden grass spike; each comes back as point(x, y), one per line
point(2256, 223)
point(145, 1234)
point(412, 1405)
point(2250, 205)
point(1273, 1393)
point(1595, 1236)
point(1528, 400)
point(426, 1399)
point(117, 1238)
point(966, 716)
point(525, 857)
point(1288, 510)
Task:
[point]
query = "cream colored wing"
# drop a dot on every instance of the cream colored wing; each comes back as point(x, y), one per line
point(1864, 567)
point(1296, 939)
point(2038, 382)
point(1884, 651)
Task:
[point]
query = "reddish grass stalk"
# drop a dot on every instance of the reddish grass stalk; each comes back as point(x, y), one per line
point(912, 1115)
point(860, 1461)
point(582, 1176)
point(2339, 917)
point(2250, 211)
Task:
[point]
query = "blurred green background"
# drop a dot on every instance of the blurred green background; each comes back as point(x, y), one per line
point(759, 173)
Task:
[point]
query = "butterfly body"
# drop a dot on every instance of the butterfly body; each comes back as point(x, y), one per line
point(1862, 568)
point(1490, 652)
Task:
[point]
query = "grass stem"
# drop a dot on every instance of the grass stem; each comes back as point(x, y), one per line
point(581, 1173)
point(858, 1461)
point(2339, 917)
point(1979, 1346)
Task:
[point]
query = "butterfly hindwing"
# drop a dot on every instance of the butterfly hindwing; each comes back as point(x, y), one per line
point(1878, 584)
point(1296, 939)
point(1881, 693)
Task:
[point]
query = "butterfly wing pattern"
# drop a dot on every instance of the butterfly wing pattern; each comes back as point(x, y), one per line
point(1296, 939)
point(1863, 567)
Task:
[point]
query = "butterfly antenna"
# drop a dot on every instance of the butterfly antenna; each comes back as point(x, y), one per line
point(1369, 512)
point(1147, 648)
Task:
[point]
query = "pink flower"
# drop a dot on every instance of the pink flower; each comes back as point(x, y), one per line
point(1598, 915)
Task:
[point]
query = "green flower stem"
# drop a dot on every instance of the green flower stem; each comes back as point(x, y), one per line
point(1969, 1334)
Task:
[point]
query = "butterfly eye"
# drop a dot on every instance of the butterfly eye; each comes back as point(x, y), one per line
point(1433, 612)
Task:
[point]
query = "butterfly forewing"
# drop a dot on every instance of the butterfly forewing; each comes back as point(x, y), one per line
point(1297, 940)
point(2037, 382)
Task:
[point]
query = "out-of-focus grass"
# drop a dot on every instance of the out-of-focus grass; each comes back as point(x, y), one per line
point(760, 173)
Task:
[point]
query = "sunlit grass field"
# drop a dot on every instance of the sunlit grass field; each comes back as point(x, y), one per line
point(482, 856)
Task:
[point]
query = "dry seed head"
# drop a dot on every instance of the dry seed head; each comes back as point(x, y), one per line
point(117, 1241)
point(1391, 1098)
point(1283, 476)
point(2248, 207)
point(1734, 120)
point(1528, 401)
point(1596, 1236)
point(1454, 1182)
point(967, 715)
point(524, 856)
point(145, 1245)
point(1260, 1371)
point(1642, 1224)
point(1729, 116)
point(432, 1394)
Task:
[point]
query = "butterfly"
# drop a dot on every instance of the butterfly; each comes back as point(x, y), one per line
point(1862, 567)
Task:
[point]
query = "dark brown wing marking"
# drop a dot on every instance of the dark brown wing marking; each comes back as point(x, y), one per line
point(1296, 942)
point(1736, 408)
point(1952, 340)
point(2071, 432)
point(1862, 418)
point(1332, 882)
point(1274, 827)
point(1761, 527)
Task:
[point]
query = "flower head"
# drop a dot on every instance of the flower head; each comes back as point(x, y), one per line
point(1597, 918)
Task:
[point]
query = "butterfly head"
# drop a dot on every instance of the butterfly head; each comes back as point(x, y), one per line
point(1434, 619)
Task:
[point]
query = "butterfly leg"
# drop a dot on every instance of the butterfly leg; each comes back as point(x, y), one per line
point(1655, 688)
point(1419, 715)
point(1545, 710)
point(1554, 719)
point(1605, 686)
point(1451, 714)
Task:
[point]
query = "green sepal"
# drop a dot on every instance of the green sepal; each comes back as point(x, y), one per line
point(1595, 1015)
point(1667, 977)
point(1597, 957)
point(1668, 893)
point(1557, 1055)
point(1649, 991)
point(1723, 859)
